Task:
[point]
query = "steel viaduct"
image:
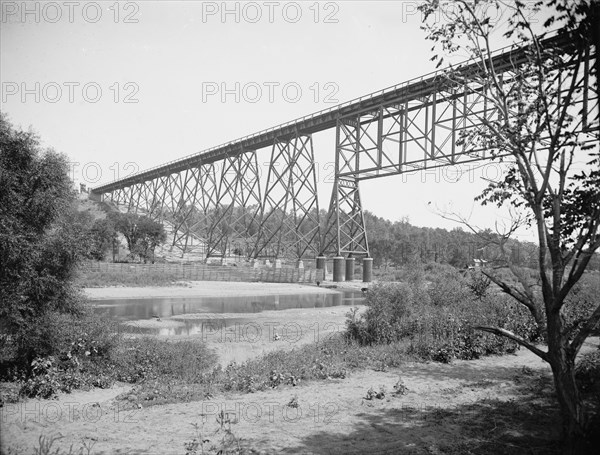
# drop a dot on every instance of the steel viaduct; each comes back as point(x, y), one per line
point(215, 200)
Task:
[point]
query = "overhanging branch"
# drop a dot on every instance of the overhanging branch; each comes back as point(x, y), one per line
point(508, 334)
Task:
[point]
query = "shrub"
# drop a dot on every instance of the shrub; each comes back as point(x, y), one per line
point(587, 370)
point(65, 336)
point(447, 286)
point(144, 358)
point(581, 302)
point(75, 353)
point(324, 360)
point(44, 380)
point(438, 327)
point(478, 283)
point(389, 305)
point(413, 273)
point(68, 351)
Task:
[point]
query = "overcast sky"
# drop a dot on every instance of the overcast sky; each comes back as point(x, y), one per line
point(125, 86)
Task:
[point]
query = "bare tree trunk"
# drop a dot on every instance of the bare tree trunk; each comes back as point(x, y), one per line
point(562, 362)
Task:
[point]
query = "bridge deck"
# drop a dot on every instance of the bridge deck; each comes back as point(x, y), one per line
point(504, 60)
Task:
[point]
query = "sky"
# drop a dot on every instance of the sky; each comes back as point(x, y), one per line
point(121, 87)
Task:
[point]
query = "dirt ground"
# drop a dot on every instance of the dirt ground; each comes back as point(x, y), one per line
point(321, 417)
point(331, 416)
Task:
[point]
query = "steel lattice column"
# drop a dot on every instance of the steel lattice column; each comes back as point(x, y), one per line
point(248, 206)
point(237, 203)
point(345, 228)
point(289, 221)
point(184, 209)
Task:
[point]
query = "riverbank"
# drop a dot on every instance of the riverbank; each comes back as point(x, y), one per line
point(264, 331)
point(268, 331)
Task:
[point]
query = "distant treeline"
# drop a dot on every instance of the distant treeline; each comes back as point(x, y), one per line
point(391, 243)
point(399, 242)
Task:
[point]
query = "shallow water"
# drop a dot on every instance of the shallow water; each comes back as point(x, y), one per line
point(148, 308)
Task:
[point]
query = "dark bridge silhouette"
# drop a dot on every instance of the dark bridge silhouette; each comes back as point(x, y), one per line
point(215, 200)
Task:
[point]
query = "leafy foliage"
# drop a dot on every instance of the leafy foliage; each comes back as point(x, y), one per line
point(478, 284)
point(439, 328)
point(143, 235)
point(102, 237)
point(144, 358)
point(41, 239)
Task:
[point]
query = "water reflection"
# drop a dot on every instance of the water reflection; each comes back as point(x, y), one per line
point(165, 307)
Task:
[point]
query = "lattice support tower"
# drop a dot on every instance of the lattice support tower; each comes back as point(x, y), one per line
point(289, 222)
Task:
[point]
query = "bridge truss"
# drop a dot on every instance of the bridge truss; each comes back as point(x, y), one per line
point(217, 197)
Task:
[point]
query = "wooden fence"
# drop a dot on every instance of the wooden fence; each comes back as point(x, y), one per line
point(203, 272)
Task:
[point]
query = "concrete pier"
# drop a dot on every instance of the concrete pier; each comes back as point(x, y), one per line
point(350, 269)
point(367, 264)
point(322, 264)
point(338, 269)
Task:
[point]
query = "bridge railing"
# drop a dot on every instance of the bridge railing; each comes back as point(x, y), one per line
point(203, 272)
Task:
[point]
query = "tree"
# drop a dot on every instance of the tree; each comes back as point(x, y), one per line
point(102, 237)
point(152, 235)
point(40, 240)
point(142, 234)
point(546, 124)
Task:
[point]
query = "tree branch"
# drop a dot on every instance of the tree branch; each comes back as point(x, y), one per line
point(516, 294)
point(508, 334)
point(585, 331)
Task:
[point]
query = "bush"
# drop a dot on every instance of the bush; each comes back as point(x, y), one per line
point(446, 333)
point(65, 336)
point(581, 302)
point(144, 358)
point(384, 321)
point(44, 381)
point(322, 360)
point(478, 283)
point(68, 352)
point(90, 355)
point(587, 371)
point(447, 286)
point(438, 324)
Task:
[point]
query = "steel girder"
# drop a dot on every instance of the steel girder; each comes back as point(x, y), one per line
point(432, 131)
point(425, 124)
point(503, 60)
point(289, 221)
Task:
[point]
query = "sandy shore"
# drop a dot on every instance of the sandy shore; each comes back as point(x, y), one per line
point(215, 289)
point(268, 331)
